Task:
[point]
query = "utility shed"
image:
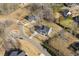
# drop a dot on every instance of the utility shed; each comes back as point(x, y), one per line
point(42, 29)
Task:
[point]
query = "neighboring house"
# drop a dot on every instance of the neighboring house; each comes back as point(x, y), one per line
point(76, 19)
point(30, 18)
point(75, 47)
point(65, 13)
point(15, 52)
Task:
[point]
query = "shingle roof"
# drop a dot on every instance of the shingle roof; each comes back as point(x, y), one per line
point(76, 19)
point(42, 29)
point(15, 52)
point(30, 18)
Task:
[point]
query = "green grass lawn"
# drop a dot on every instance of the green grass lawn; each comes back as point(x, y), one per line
point(67, 22)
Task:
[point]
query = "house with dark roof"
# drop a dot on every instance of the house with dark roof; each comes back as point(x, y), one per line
point(30, 18)
point(74, 47)
point(76, 19)
point(42, 29)
point(15, 52)
point(65, 13)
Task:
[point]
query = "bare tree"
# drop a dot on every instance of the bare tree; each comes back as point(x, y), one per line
point(42, 11)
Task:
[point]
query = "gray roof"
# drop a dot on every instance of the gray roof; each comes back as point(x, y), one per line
point(42, 29)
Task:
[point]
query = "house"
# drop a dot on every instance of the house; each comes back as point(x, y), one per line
point(30, 18)
point(65, 13)
point(15, 52)
point(42, 29)
point(76, 19)
point(74, 47)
